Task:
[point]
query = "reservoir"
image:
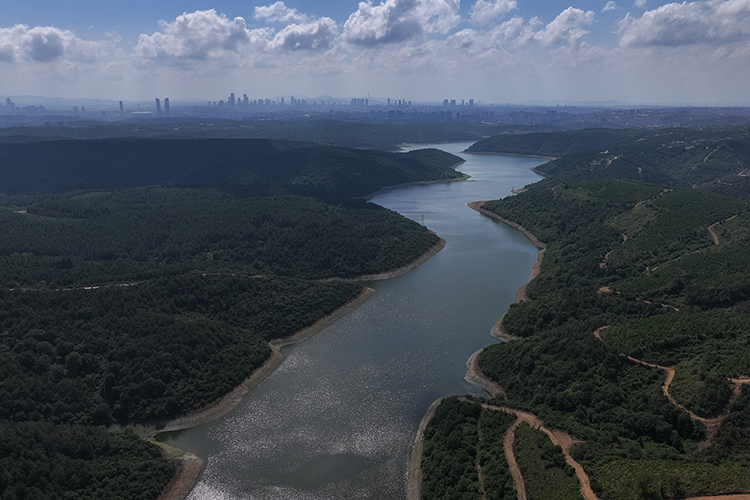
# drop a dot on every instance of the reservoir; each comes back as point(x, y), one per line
point(337, 419)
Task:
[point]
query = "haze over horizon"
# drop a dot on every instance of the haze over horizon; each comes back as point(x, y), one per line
point(650, 52)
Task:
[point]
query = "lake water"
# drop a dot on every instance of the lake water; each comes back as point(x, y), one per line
point(338, 418)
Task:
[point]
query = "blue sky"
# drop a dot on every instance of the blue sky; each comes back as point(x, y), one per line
point(639, 51)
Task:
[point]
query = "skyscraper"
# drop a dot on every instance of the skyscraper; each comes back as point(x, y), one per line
point(122, 110)
point(166, 106)
point(158, 107)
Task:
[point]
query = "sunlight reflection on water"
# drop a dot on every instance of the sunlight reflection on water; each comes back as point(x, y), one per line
point(337, 419)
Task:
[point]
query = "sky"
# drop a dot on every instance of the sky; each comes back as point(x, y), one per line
point(495, 51)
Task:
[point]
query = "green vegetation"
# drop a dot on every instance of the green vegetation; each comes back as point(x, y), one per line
point(143, 233)
point(148, 351)
point(153, 288)
point(449, 454)
point(554, 143)
point(543, 467)
point(662, 480)
point(627, 255)
point(39, 461)
point(348, 134)
point(461, 437)
point(496, 479)
point(250, 167)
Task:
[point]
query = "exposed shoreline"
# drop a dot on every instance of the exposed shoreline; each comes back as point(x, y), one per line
point(230, 401)
point(400, 271)
point(518, 155)
point(414, 479)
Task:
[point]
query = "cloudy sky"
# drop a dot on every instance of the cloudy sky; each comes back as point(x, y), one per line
point(635, 51)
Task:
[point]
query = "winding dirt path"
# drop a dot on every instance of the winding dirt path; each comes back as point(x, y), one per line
point(712, 229)
point(475, 376)
point(711, 424)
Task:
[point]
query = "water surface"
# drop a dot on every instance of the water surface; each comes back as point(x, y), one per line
point(338, 418)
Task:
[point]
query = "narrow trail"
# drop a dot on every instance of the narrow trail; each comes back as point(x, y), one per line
point(558, 438)
point(711, 424)
point(482, 490)
point(475, 376)
point(603, 263)
point(712, 229)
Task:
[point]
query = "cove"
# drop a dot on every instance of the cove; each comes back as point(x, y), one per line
point(337, 419)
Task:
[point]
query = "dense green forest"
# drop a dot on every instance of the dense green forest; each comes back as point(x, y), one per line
point(461, 439)
point(248, 166)
point(333, 132)
point(640, 260)
point(132, 235)
point(143, 279)
point(717, 159)
point(39, 461)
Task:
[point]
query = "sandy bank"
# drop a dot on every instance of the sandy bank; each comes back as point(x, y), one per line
point(414, 482)
point(400, 271)
point(189, 467)
point(475, 376)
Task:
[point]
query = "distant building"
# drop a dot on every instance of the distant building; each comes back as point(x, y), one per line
point(166, 106)
point(122, 109)
point(158, 107)
point(231, 100)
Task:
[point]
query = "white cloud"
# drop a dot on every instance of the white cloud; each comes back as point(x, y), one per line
point(713, 22)
point(316, 35)
point(280, 13)
point(399, 20)
point(199, 35)
point(640, 3)
point(485, 11)
point(46, 44)
point(611, 5)
point(566, 27)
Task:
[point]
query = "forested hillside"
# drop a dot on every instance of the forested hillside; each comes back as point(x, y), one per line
point(143, 279)
point(250, 167)
point(132, 235)
point(651, 272)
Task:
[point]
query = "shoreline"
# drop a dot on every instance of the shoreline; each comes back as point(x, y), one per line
point(473, 374)
point(418, 183)
point(518, 155)
point(414, 479)
point(228, 402)
point(190, 467)
point(400, 271)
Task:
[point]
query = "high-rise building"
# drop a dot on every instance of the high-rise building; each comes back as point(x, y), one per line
point(122, 110)
point(166, 106)
point(245, 101)
point(231, 100)
point(158, 107)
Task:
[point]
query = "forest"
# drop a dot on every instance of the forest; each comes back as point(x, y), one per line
point(656, 270)
point(246, 166)
point(142, 279)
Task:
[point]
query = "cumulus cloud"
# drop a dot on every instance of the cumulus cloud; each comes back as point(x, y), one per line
point(399, 20)
point(712, 22)
point(315, 35)
point(567, 27)
point(46, 44)
point(279, 13)
point(485, 11)
point(201, 35)
point(640, 3)
point(611, 5)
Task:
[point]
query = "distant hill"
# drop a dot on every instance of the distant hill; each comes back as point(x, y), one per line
point(247, 166)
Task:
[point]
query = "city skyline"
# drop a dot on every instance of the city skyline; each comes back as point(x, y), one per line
point(642, 52)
